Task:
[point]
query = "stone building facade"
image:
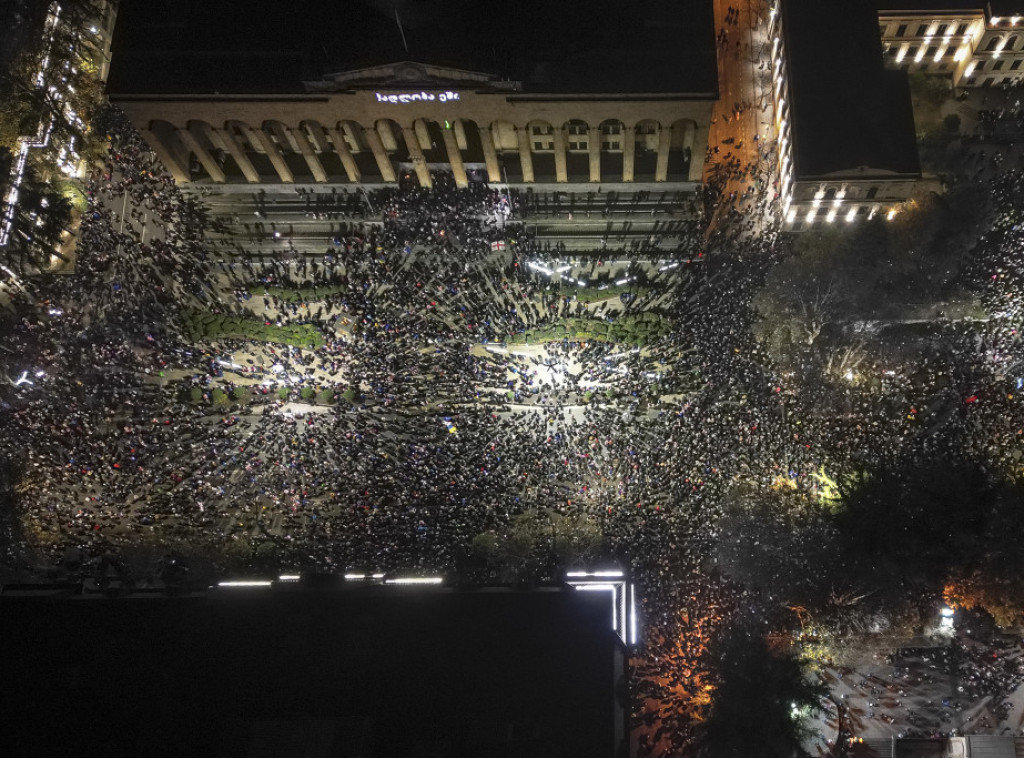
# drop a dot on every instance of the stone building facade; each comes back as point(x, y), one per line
point(382, 124)
point(978, 44)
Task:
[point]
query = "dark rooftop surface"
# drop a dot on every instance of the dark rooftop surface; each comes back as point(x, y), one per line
point(601, 46)
point(848, 111)
point(374, 672)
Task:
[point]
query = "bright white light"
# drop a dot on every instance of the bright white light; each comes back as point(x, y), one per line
point(23, 379)
point(277, 368)
point(416, 580)
point(288, 578)
point(851, 215)
point(890, 215)
point(595, 573)
point(55, 312)
point(946, 612)
point(562, 269)
point(620, 282)
point(350, 577)
point(669, 266)
point(632, 614)
point(378, 576)
point(581, 283)
point(246, 583)
point(810, 215)
point(831, 216)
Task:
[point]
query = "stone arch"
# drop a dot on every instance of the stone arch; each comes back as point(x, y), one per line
point(577, 135)
point(208, 147)
point(993, 44)
point(680, 152)
point(470, 139)
point(430, 136)
point(392, 137)
point(504, 135)
point(316, 134)
point(613, 135)
point(1011, 43)
point(353, 134)
point(645, 149)
point(542, 136)
point(242, 134)
point(165, 141)
point(280, 135)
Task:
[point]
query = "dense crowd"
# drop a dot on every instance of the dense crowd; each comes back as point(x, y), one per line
point(423, 415)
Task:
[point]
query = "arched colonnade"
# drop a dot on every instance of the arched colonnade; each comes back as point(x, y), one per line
point(500, 151)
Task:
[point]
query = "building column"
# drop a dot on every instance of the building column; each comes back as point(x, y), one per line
point(455, 157)
point(309, 154)
point(412, 144)
point(525, 156)
point(561, 175)
point(236, 151)
point(166, 154)
point(205, 157)
point(341, 148)
point(275, 155)
point(594, 151)
point(699, 151)
point(490, 154)
point(664, 143)
point(628, 152)
point(387, 171)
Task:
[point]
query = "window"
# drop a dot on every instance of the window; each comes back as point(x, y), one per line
point(872, 193)
point(912, 51)
point(577, 128)
point(941, 31)
point(578, 146)
point(950, 51)
point(881, 29)
point(961, 30)
point(930, 52)
point(1015, 65)
point(998, 65)
point(541, 129)
point(615, 128)
point(988, 82)
point(992, 44)
point(922, 30)
point(901, 30)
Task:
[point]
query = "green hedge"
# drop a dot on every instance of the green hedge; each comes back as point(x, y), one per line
point(207, 326)
point(639, 330)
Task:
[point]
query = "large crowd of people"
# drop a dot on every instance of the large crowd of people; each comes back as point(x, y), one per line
point(462, 375)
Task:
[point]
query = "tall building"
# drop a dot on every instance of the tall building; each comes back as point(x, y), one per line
point(847, 145)
point(367, 92)
point(977, 44)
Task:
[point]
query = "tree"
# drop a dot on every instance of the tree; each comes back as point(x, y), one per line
point(762, 700)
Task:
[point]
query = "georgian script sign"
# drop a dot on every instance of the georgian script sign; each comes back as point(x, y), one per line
point(417, 97)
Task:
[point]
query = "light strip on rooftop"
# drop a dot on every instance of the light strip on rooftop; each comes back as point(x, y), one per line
point(415, 580)
point(594, 573)
point(289, 577)
point(246, 583)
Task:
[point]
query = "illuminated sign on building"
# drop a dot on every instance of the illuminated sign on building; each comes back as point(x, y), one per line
point(416, 97)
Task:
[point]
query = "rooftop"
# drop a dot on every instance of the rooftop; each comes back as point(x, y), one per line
point(603, 46)
point(376, 671)
point(859, 116)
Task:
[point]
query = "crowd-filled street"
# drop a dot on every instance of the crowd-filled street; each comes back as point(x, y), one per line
point(322, 379)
